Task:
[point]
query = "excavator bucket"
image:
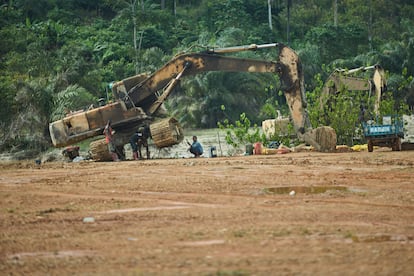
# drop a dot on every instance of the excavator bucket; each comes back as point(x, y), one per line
point(166, 132)
point(322, 138)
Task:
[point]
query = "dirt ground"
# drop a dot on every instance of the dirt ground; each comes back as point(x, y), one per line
point(286, 214)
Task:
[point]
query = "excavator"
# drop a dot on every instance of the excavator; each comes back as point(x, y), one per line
point(138, 100)
point(387, 131)
point(341, 78)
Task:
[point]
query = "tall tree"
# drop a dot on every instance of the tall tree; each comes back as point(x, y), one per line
point(289, 4)
point(269, 8)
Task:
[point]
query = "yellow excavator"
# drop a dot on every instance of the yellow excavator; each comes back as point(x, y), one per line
point(386, 131)
point(348, 79)
point(138, 100)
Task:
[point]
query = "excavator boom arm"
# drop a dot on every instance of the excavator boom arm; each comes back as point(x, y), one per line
point(198, 63)
point(288, 67)
point(139, 97)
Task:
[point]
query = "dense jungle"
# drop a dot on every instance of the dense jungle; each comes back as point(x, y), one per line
point(57, 56)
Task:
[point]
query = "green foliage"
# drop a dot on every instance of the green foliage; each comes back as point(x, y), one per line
point(197, 103)
point(218, 14)
point(7, 102)
point(72, 98)
point(49, 46)
point(400, 95)
point(337, 41)
point(275, 103)
point(152, 59)
point(311, 61)
point(343, 116)
point(282, 134)
point(28, 123)
point(241, 132)
point(341, 111)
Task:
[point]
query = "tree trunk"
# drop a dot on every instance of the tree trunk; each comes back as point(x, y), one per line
point(134, 20)
point(142, 5)
point(289, 3)
point(269, 8)
point(370, 26)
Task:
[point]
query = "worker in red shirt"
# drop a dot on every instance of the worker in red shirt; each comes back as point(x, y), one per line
point(109, 132)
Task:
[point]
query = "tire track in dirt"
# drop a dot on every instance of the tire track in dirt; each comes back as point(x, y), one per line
point(214, 195)
point(125, 198)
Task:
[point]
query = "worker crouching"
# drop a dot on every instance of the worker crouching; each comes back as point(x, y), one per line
point(195, 147)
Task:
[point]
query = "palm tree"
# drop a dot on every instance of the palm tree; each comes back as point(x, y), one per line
point(200, 100)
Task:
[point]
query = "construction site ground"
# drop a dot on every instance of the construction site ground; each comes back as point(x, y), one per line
point(305, 213)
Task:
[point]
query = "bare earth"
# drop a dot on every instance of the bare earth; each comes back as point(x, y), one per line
point(352, 214)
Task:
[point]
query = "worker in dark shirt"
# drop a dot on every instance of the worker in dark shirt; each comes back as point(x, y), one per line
point(137, 140)
point(195, 147)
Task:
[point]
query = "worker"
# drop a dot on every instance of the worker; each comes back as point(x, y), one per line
point(71, 152)
point(109, 138)
point(362, 113)
point(139, 139)
point(195, 147)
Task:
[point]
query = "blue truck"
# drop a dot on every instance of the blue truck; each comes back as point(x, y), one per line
point(384, 132)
